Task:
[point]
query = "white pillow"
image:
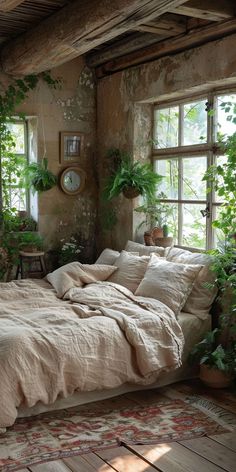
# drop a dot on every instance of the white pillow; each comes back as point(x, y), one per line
point(76, 274)
point(107, 256)
point(144, 250)
point(201, 298)
point(168, 282)
point(130, 270)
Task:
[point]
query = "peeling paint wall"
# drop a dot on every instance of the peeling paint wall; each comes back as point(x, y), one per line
point(72, 108)
point(124, 102)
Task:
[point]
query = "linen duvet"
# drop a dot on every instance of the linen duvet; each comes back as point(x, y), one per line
point(96, 337)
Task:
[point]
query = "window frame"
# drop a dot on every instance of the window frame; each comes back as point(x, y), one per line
point(210, 149)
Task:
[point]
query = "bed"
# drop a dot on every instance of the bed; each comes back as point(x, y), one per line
point(90, 332)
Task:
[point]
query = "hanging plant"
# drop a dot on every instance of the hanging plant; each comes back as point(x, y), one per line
point(38, 177)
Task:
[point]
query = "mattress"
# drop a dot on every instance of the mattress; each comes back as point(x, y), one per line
point(193, 328)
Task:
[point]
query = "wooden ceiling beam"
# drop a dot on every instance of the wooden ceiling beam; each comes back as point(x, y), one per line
point(122, 46)
point(173, 46)
point(8, 5)
point(164, 26)
point(216, 10)
point(76, 29)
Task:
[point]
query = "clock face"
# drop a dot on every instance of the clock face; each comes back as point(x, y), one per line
point(72, 180)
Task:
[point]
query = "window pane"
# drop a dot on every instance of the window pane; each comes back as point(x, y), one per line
point(220, 160)
point(218, 235)
point(171, 219)
point(195, 123)
point(225, 109)
point(194, 226)
point(194, 169)
point(169, 185)
point(18, 132)
point(166, 127)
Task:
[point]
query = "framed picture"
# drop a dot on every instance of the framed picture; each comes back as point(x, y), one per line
point(71, 146)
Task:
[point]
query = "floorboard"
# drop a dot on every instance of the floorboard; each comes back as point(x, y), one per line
point(213, 452)
point(227, 439)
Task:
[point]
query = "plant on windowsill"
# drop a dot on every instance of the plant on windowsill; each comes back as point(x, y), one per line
point(130, 178)
point(156, 217)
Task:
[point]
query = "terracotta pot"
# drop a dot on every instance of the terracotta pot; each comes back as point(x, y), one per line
point(213, 377)
point(164, 242)
point(130, 192)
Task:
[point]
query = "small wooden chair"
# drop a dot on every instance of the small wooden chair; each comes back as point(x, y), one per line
point(31, 258)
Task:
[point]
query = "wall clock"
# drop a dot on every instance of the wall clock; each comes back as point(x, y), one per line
point(72, 180)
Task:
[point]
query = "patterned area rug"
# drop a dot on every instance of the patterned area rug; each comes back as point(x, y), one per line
point(171, 416)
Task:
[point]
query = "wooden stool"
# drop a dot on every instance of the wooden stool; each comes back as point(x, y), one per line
point(31, 258)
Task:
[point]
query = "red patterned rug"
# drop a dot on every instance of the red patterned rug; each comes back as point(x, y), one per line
point(172, 416)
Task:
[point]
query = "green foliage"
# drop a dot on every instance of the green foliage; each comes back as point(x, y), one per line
point(131, 174)
point(223, 179)
point(29, 238)
point(156, 212)
point(37, 176)
point(211, 352)
point(13, 222)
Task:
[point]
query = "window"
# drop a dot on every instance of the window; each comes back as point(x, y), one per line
point(13, 162)
point(185, 139)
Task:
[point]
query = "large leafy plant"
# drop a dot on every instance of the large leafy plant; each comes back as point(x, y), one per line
point(131, 174)
point(38, 177)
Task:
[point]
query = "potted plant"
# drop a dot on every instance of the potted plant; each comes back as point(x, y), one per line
point(156, 217)
point(30, 241)
point(39, 177)
point(132, 178)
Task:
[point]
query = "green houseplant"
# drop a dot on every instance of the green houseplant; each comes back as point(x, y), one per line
point(217, 352)
point(156, 216)
point(132, 178)
point(39, 177)
point(30, 241)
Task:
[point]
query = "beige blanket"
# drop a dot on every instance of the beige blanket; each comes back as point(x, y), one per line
point(101, 337)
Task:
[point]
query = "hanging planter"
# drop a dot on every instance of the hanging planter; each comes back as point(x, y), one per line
point(39, 177)
point(130, 192)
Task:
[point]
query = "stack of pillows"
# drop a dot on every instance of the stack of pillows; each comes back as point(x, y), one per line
point(174, 276)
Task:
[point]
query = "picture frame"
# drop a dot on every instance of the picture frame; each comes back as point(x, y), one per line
point(71, 146)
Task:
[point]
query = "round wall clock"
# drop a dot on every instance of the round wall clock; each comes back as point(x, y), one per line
point(72, 180)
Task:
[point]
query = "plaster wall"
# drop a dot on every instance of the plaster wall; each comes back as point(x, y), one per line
point(124, 104)
point(71, 108)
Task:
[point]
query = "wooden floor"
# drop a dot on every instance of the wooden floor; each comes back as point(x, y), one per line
point(205, 454)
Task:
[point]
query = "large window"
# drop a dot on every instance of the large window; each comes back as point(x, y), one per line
point(14, 196)
point(186, 136)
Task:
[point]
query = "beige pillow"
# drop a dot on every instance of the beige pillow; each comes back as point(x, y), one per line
point(76, 274)
point(131, 269)
point(144, 250)
point(168, 282)
point(107, 256)
point(200, 298)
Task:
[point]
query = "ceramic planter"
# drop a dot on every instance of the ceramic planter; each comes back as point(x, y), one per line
point(213, 377)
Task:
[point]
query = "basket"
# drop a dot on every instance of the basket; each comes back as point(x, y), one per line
point(131, 192)
point(164, 242)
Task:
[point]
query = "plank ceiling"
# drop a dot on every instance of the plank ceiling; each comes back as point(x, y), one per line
point(129, 32)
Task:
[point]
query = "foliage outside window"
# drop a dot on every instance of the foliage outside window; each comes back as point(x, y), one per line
point(14, 159)
point(186, 139)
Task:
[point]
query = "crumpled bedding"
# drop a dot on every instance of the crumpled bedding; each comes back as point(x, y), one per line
point(100, 337)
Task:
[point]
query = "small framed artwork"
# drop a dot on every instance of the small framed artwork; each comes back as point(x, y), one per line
point(71, 146)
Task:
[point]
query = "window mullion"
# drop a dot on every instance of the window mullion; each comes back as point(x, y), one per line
point(180, 205)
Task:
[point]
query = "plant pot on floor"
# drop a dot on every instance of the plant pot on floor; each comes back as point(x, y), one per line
point(213, 377)
point(164, 242)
